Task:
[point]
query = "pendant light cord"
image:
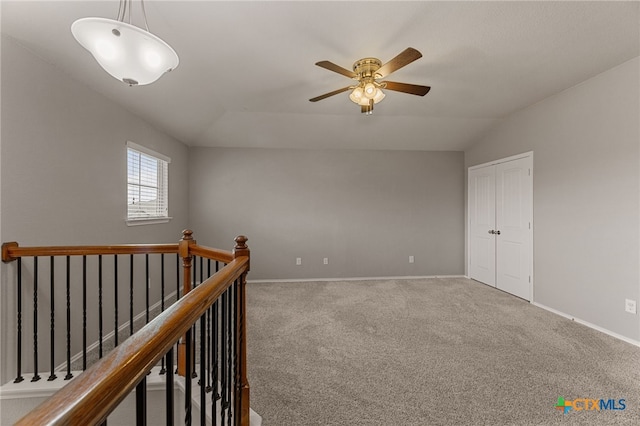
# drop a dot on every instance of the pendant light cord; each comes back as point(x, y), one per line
point(124, 10)
point(144, 15)
point(121, 10)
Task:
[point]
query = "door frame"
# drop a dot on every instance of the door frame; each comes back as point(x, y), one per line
point(528, 154)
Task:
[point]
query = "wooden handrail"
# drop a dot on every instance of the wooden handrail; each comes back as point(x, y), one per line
point(211, 253)
point(12, 251)
point(90, 397)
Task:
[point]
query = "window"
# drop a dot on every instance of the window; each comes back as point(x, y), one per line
point(147, 186)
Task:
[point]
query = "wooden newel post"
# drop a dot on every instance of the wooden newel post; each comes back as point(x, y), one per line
point(184, 251)
point(6, 247)
point(242, 383)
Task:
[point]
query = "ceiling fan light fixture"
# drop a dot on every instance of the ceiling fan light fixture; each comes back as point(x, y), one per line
point(367, 71)
point(370, 90)
point(128, 53)
point(356, 95)
point(378, 96)
point(364, 101)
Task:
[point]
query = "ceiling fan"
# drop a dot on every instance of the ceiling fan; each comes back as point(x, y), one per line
point(367, 71)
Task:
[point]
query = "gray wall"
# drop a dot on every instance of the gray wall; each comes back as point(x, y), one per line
point(367, 211)
point(586, 195)
point(63, 170)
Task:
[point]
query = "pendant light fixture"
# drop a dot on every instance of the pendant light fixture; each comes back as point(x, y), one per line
point(130, 54)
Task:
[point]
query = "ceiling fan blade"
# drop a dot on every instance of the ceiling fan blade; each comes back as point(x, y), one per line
point(412, 89)
point(326, 95)
point(405, 58)
point(336, 68)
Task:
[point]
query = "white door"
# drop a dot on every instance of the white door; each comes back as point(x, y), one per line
point(500, 210)
point(513, 227)
point(482, 222)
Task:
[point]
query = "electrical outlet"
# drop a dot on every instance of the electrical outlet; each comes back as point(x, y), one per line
point(298, 261)
point(630, 306)
point(325, 260)
point(411, 259)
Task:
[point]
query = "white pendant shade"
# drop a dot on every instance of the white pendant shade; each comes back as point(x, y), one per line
point(130, 54)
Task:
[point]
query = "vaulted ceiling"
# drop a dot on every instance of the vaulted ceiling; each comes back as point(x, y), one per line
point(247, 68)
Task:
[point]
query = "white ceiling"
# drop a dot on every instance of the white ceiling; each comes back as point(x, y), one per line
point(247, 68)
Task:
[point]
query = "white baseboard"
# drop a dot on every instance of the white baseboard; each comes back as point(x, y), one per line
point(304, 280)
point(110, 335)
point(588, 324)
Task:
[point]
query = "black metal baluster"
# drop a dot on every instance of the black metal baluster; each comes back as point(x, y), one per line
point(169, 388)
point(52, 327)
point(203, 374)
point(146, 284)
point(194, 269)
point(36, 376)
point(203, 343)
point(216, 343)
point(230, 335)
point(100, 325)
point(204, 355)
point(177, 277)
point(162, 368)
point(84, 313)
point(223, 360)
point(187, 378)
point(236, 371)
point(177, 283)
point(131, 295)
point(208, 388)
point(115, 300)
point(215, 395)
point(19, 377)
point(69, 375)
point(141, 402)
point(194, 374)
point(162, 282)
point(100, 305)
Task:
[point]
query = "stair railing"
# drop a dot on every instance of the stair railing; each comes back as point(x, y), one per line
point(214, 306)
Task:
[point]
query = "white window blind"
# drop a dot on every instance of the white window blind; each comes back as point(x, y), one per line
point(147, 184)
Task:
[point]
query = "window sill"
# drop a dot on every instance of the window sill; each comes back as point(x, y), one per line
point(150, 221)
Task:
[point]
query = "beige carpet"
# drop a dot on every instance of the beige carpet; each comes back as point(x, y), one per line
point(446, 351)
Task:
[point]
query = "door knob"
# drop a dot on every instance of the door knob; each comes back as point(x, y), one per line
point(491, 231)
point(496, 232)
